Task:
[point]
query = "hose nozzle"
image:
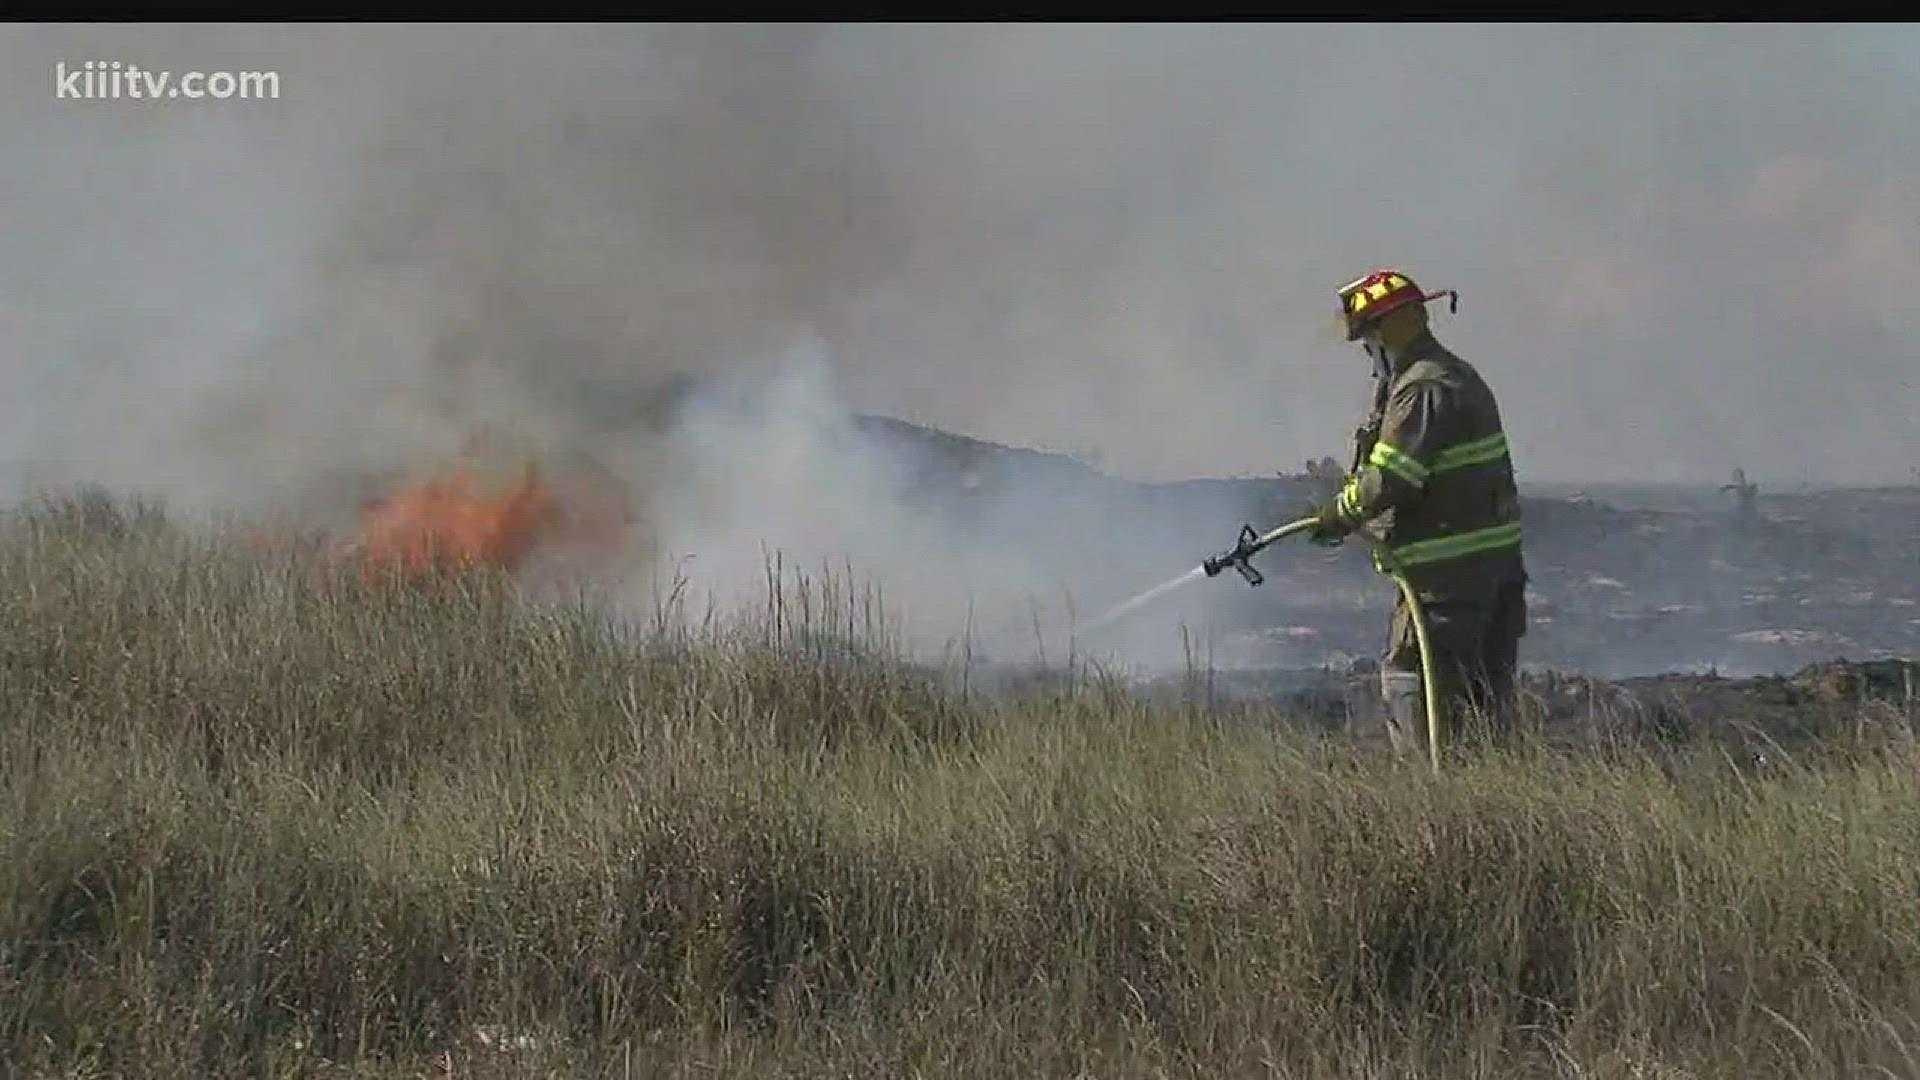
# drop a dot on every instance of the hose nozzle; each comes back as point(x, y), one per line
point(1238, 557)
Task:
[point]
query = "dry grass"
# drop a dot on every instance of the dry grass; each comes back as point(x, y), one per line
point(261, 820)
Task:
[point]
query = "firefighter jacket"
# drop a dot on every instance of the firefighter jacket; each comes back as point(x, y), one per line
point(1436, 488)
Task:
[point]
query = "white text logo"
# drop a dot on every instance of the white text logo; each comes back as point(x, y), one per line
point(111, 80)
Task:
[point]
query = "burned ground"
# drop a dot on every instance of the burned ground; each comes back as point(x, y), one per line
point(1658, 615)
point(1753, 718)
point(1642, 581)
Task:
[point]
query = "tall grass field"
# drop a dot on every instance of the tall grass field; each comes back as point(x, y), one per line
point(260, 817)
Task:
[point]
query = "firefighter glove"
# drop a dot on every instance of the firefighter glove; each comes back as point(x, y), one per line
point(1329, 527)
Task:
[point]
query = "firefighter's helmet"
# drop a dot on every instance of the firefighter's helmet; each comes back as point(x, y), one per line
point(1366, 300)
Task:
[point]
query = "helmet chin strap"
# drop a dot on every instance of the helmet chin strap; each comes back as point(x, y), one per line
point(1382, 364)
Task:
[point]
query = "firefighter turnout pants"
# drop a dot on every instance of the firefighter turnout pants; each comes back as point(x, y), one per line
point(1474, 626)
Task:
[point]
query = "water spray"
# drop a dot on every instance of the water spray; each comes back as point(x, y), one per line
point(1143, 599)
point(1238, 557)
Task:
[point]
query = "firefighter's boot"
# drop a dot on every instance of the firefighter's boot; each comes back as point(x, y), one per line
point(1406, 712)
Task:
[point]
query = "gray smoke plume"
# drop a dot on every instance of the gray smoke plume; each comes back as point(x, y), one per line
point(1680, 249)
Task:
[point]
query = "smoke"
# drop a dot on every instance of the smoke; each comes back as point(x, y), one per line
point(1680, 249)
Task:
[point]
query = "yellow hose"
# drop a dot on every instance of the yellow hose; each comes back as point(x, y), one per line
point(1419, 617)
point(1414, 611)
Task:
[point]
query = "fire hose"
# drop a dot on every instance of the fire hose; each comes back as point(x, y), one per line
point(1251, 543)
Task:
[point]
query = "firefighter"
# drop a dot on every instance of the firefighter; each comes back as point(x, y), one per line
point(1432, 486)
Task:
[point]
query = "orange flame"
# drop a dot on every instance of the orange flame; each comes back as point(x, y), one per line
point(447, 522)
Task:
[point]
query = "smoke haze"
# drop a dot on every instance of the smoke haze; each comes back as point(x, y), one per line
point(1679, 249)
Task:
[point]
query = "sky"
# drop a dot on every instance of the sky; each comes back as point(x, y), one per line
point(1679, 249)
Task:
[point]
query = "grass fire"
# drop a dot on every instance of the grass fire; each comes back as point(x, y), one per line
point(448, 520)
point(478, 513)
point(655, 550)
